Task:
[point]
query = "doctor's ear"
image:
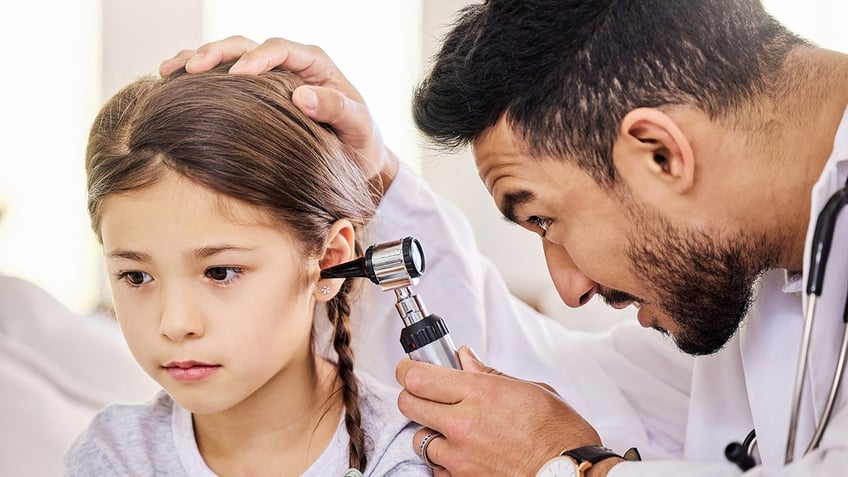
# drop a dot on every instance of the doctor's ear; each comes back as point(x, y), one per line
point(652, 153)
point(340, 247)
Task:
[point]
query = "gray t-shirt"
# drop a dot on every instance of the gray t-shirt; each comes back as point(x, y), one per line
point(157, 439)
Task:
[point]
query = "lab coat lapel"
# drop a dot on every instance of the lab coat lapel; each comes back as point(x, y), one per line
point(724, 416)
point(770, 340)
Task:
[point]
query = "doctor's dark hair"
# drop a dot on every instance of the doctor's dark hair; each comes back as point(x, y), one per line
point(566, 72)
point(242, 137)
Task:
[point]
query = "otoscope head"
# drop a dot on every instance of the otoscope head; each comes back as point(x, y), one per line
point(391, 265)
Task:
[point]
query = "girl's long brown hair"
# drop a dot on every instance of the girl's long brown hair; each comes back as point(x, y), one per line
point(242, 137)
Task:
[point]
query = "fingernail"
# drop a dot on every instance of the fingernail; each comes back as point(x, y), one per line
point(473, 353)
point(309, 99)
point(238, 64)
point(194, 58)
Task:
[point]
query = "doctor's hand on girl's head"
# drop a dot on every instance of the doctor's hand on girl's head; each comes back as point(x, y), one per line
point(328, 97)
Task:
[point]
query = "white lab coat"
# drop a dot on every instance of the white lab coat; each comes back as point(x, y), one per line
point(750, 383)
point(631, 384)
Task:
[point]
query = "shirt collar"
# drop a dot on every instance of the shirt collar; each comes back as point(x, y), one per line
point(792, 282)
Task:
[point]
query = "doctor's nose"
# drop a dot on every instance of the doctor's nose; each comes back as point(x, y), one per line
point(178, 319)
point(574, 288)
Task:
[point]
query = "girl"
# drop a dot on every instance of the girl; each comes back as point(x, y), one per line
point(217, 203)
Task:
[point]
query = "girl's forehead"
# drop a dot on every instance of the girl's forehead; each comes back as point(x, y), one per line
point(179, 202)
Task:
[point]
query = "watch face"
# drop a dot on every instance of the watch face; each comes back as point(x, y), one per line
point(558, 467)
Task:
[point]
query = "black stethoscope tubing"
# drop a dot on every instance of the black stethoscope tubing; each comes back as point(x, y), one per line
point(742, 454)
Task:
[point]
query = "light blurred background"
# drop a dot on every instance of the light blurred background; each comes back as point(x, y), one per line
point(64, 58)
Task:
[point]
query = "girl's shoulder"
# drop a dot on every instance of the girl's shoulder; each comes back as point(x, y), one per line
point(125, 439)
point(389, 433)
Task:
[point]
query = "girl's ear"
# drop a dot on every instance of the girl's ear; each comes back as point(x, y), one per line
point(653, 155)
point(340, 247)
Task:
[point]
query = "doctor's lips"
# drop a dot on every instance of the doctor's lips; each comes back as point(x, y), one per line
point(190, 370)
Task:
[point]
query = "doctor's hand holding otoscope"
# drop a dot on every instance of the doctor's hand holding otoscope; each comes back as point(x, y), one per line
point(397, 266)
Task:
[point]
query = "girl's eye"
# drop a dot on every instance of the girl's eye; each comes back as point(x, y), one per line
point(135, 278)
point(223, 274)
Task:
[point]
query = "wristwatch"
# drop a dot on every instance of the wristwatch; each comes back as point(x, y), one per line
point(575, 462)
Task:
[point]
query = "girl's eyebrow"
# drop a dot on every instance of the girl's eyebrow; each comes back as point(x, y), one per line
point(129, 255)
point(198, 253)
point(210, 250)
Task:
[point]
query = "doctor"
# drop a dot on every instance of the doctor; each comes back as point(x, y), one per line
point(672, 156)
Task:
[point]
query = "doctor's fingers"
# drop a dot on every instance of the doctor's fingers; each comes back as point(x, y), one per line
point(470, 458)
point(459, 403)
point(349, 118)
point(445, 384)
point(208, 56)
point(436, 383)
point(470, 362)
point(435, 446)
point(309, 62)
point(352, 122)
point(173, 64)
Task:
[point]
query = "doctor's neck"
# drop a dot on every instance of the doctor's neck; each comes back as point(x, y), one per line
point(798, 121)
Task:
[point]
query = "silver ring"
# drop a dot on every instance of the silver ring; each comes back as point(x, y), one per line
point(422, 449)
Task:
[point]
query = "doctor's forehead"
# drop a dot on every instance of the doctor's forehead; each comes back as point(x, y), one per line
point(496, 152)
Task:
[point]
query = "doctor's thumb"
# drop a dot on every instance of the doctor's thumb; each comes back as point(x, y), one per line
point(471, 362)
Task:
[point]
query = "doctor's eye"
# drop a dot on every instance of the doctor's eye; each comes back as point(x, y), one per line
point(223, 275)
point(135, 278)
point(541, 222)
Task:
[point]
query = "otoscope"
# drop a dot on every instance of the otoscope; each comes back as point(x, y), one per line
point(397, 266)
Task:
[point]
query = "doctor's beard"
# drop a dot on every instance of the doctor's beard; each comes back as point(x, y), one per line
point(704, 283)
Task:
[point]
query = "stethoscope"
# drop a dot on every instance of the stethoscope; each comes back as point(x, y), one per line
point(742, 454)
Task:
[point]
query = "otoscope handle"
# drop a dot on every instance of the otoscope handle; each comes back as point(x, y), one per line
point(429, 340)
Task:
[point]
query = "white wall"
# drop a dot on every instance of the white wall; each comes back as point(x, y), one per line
point(137, 36)
point(50, 89)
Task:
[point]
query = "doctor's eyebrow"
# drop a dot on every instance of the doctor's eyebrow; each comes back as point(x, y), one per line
point(511, 200)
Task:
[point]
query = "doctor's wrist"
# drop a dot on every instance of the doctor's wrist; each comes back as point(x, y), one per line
point(602, 468)
point(385, 176)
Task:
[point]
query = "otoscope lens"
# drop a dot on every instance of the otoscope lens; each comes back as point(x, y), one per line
point(414, 256)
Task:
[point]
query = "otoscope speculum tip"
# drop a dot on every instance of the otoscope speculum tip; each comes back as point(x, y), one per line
point(390, 265)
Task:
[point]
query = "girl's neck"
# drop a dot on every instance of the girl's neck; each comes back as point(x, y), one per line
point(281, 429)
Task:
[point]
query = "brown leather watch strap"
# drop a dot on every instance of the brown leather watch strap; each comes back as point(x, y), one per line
point(591, 454)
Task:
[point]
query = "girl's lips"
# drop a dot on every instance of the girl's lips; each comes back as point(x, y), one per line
point(190, 370)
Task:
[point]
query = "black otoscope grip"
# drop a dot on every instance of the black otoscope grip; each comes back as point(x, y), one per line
point(429, 340)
